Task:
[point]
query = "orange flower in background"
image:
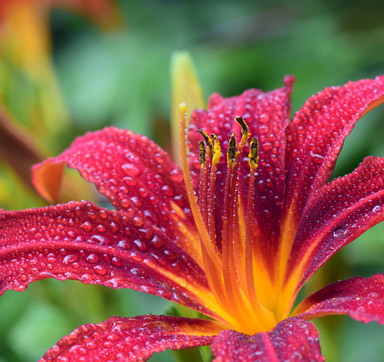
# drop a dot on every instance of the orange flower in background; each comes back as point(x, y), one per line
point(31, 124)
point(234, 234)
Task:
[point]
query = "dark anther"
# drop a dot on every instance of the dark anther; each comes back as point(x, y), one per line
point(232, 148)
point(202, 153)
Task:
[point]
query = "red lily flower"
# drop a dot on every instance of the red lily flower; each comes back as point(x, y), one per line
point(234, 237)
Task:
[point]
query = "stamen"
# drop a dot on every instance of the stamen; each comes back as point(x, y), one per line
point(232, 253)
point(232, 151)
point(229, 254)
point(203, 182)
point(212, 263)
point(244, 132)
point(253, 164)
point(211, 191)
point(207, 140)
point(202, 153)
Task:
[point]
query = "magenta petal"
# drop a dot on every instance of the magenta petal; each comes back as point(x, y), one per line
point(360, 298)
point(337, 214)
point(317, 132)
point(135, 174)
point(84, 242)
point(131, 339)
point(293, 339)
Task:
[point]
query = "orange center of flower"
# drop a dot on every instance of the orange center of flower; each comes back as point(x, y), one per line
point(242, 294)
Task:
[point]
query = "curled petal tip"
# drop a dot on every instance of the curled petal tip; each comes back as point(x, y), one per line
point(289, 80)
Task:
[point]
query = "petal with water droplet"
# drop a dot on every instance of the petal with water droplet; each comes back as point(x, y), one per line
point(132, 339)
point(42, 243)
point(135, 174)
point(360, 298)
point(293, 339)
point(336, 215)
point(317, 132)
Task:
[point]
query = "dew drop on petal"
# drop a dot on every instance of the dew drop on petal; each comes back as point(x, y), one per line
point(376, 208)
point(125, 244)
point(92, 258)
point(338, 232)
point(138, 221)
point(86, 226)
point(116, 261)
point(131, 169)
point(373, 295)
point(157, 242)
point(176, 175)
point(100, 269)
point(166, 190)
point(264, 118)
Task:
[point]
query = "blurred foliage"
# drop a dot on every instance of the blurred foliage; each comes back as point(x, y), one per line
point(90, 78)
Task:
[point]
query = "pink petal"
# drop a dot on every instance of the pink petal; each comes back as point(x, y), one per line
point(360, 298)
point(84, 242)
point(267, 115)
point(131, 339)
point(134, 173)
point(337, 214)
point(317, 132)
point(292, 340)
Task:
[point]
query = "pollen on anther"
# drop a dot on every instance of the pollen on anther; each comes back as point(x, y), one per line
point(253, 153)
point(232, 150)
point(244, 128)
point(202, 153)
point(207, 140)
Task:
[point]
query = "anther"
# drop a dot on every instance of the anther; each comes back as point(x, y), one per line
point(207, 140)
point(244, 129)
point(232, 150)
point(202, 153)
point(216, 149)
point(254, 153)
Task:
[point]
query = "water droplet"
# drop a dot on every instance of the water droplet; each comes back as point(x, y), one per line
point(86, 226)
point(100, 269)
point(98, 239)
point(136, 201)
point(176, 175)
point(263, 129)
point(103, 213)
point(125, 244)
point(159, 157)
point(143, 192)
point(157, 241)
point(338, 232)
point(131, 169)
point(129, 181)
point(318, 159)
point(93, 258)
point(141, 245)
point(113, 227)
point(376, 208)
point(373, 295)
point(124, 203)
point(138, 221)
point(264, 118)
point(69, 259)
point(116, 261)
point(100, 228)
point(166, 190)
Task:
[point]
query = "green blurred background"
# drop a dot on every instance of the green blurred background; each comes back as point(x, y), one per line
point(112, 68)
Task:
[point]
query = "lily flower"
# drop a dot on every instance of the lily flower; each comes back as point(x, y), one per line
point(233, 234)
